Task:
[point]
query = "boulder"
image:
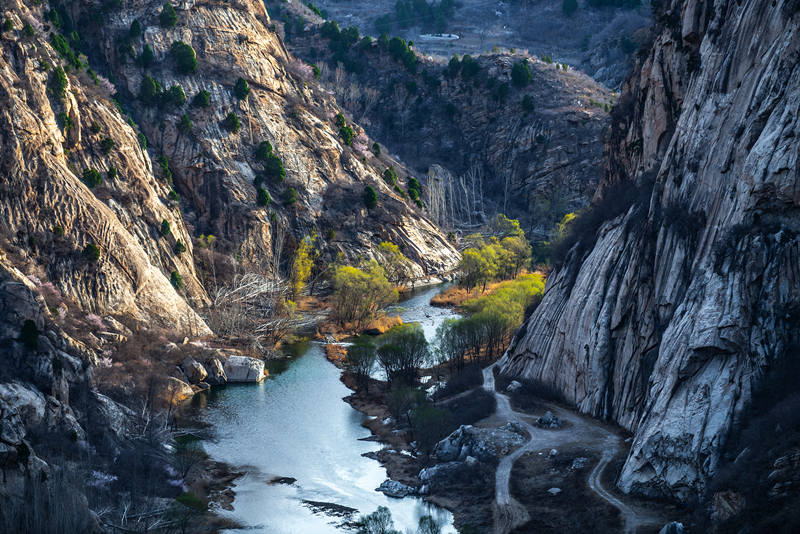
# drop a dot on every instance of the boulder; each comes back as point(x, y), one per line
point(513, 386)
point(393, 488)
point(216, 374)
point(177, 390)
point(554, 491)
point(244, 369)
point(484, 444)
point(194, 370)
point(548, 421)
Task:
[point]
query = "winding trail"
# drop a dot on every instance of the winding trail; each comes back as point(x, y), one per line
point(508, 512)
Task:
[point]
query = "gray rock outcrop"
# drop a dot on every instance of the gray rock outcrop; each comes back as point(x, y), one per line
point(244, 369)
point(666, 319)
point(484, 444)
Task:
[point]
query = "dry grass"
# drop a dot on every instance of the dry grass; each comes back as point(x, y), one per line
point(336, 354)
point(377, 326)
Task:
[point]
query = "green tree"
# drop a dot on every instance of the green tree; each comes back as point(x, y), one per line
point(403, 351)
point(91, 252)
point(92, 177)
point(430, 425)
point(176, 280)
point(148, 57)
point(475, 267)
point(395, 264)
point(231, 122)
point(262, 197)
point(59, 83)
point(521, 73)
point(185, 124)
point(378, 522)
point(179, 247)
point(302, 263)
point(202, 99)
point(290, 196)
point(149, 90)
point(527, 104)
point(273, 168)
point(241, 89)
point(184, 56)
point(358, 294)
point(360, 362)
point(135, 30)
point(168, 17)
point(174, 96)
point(165, 229)
point(370, 198)
point(263, 151)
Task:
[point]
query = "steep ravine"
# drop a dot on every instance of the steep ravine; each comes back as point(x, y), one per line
point(666, 321)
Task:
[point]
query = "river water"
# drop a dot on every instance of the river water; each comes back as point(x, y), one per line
point(295, 424)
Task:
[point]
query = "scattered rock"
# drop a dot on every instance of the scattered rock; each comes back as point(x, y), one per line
point(725, 505)
point(194, 370)
point(553, 452)
point(283, 480)
point(393, 488)
point(513, 386)
point(548, 421)
point(579, 463)
point(177, 390)
point(483, 444)
point(330, 509)
point(554, 491)
point(471, 461)
point(216, 374)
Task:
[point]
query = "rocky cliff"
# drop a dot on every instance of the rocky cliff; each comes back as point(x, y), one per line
point(214, 168)
point(52, 211)
point(667, 318)
point(482, 143)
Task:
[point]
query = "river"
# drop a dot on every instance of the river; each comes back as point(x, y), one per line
point(295, 424)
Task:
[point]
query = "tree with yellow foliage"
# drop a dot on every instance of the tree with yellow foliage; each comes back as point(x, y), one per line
point(301, 265)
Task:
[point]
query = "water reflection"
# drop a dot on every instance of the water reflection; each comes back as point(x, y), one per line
point(296, 425)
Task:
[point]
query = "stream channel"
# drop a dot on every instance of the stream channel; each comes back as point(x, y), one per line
point(295, 424)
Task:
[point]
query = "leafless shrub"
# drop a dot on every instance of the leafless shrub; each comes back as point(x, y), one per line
point(253, 307)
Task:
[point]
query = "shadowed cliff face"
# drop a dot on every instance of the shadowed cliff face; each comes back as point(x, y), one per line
point(667, 322)
point(214, 168)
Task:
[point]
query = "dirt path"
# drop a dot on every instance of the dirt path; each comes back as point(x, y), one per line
point(508, 512)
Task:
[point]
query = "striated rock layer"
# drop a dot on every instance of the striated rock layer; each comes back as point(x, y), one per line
point(214, 168)
point(48, 214)
point(667, 322)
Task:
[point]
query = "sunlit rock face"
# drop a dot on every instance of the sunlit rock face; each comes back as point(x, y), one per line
point(668, 322)
point(214, 168)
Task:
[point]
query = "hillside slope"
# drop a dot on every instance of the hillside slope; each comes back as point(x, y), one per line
point(214, 168)
point(666, 319)
point(531, 149)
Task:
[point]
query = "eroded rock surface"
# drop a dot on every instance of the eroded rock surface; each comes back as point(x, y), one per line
point(667, 321)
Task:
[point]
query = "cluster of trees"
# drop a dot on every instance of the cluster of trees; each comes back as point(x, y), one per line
point(346, 131)
point(494, 319)
point(400, 353)
point(501, 256)
point(273, 165)
point(380, 522)
point(359, 293)
point(407, 13)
